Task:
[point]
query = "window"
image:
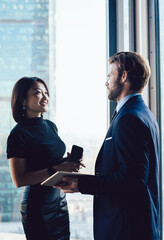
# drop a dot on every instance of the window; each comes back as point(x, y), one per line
point(122, 25)
point(161, 10)
point(62, 42)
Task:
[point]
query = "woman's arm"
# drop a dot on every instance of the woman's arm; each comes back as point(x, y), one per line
point(21, 177)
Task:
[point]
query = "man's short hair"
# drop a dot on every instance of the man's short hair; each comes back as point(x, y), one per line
point(135, 65)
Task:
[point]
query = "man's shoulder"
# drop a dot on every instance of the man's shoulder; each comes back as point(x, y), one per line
point(139, 113)
point(137, 107)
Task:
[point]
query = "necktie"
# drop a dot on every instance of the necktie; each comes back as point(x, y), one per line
point(114, 114)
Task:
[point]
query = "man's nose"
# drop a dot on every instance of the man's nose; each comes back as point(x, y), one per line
point(107, 82)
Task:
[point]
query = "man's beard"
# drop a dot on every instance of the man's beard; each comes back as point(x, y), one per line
point(116, 90)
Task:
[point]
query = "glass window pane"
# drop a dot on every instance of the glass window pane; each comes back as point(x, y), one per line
point(122, 25)
point(126, 25)
point(62, 42)
point(80, 92)
point(161, 11)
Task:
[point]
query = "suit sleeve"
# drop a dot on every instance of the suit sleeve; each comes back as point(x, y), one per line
point(132, 145)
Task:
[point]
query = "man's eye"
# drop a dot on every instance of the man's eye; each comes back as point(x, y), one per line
point(37, 92)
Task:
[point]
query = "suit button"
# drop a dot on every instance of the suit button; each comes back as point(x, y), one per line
point(97, 173)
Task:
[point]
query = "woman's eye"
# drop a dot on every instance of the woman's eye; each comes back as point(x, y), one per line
point(37, 92)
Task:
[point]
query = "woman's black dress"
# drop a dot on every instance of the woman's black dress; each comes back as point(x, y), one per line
point(43, 209)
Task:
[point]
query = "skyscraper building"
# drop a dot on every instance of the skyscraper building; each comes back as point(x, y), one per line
point(27, 44)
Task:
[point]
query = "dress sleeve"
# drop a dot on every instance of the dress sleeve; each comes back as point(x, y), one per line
point(16, 146)
point(53, 126)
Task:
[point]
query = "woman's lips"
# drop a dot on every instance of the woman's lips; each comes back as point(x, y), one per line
point(43, 104)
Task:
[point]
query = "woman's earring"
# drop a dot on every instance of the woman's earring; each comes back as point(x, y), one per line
point(23, 110)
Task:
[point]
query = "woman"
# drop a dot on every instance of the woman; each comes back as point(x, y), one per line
point(35, 151)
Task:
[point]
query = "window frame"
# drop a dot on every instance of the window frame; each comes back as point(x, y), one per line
point(111, 43)
point(151, 15)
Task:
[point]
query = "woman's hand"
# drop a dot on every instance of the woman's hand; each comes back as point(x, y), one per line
point(66, 159)
point(67, 166)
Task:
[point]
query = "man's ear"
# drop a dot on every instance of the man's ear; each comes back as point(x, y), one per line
point(124, 77)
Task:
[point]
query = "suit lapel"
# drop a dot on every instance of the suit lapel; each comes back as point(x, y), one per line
point(109, 132)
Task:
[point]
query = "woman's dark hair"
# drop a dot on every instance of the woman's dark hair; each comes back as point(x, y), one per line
point(19, 93)
point(137, 67)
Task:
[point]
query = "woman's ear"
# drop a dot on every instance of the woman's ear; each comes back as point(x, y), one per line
point(24, 102)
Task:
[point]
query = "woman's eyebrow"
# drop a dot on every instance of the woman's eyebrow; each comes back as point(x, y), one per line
point(37, 89)
point(40, 89)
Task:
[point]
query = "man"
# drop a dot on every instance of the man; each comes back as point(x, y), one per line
point(126, 181)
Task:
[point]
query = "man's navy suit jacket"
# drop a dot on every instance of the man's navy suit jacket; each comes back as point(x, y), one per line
point(126, 181)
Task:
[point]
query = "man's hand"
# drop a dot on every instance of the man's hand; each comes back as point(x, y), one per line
point(68, 185)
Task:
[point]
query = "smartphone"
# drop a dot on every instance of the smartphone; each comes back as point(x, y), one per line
point(76, 153)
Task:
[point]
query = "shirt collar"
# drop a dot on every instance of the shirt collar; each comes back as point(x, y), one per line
point(124, 100)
